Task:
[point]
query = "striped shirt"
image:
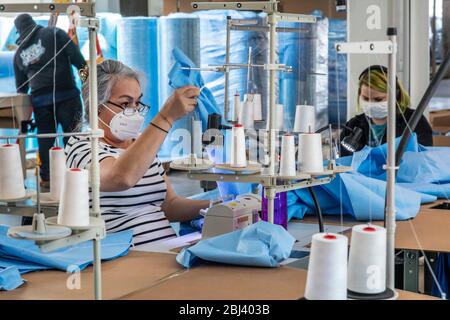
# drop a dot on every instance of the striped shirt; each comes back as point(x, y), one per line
point(138, 208)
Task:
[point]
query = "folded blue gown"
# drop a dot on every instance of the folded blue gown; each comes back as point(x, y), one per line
point(26, 256)
point(259, 245)
point(179, 77)
point(423, 177)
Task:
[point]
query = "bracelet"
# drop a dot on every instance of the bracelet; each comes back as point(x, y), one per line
point(167, 132)
point(167, 120)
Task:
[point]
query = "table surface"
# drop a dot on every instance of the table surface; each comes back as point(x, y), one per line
point(9, 99)
point(429, 231)
point(155, 276)
point(144, 275)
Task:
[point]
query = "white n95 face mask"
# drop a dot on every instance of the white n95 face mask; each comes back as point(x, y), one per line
point(125, 127)
point(374, 110)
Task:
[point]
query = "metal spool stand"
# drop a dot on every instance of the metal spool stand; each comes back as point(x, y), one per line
point(96, 231)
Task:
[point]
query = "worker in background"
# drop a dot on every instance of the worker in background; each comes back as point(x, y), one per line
point(54, 95)
point(372, 123)
point(135, 191)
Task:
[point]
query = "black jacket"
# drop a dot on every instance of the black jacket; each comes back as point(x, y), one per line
point(36, 49)
point(423, 130)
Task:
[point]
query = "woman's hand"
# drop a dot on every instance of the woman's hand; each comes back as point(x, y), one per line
point(182, 102)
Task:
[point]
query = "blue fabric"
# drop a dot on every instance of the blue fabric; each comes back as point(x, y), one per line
point(179, 78)
point(27, 256)
point(259, 245)
point(423, 177)
point(10, 279)
point(443, 275)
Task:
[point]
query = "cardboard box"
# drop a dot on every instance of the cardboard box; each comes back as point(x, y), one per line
point(440, 121)
point(328, 7)
point(441, 141)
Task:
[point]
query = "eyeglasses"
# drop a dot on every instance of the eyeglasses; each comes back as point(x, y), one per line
point(128, 110)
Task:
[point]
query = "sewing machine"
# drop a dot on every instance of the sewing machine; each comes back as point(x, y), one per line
point(232, 215)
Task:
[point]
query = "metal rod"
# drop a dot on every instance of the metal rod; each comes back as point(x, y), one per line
point(249, 70)
point(391, 164)
point(95, 166)
point(97, 269)
point(227, 71)
point(38, 190)
point(272, 105)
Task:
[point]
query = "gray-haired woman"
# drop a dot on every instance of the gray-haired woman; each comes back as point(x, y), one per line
point(135, 192)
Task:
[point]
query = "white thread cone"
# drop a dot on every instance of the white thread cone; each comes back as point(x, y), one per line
point(367, 260)
point(327, 269)
point(197, 136)
point(57, 172)
point(279, 118)
point(236, 107)
point(74, 203)
point(287, 162)
point(246, 115)
point(238, 154)
point(255, 99)
point(310, 155)
point(305, 119)
point(11, 174)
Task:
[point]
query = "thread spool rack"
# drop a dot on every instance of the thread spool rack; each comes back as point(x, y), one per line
point(272, 182)
point(96, 230)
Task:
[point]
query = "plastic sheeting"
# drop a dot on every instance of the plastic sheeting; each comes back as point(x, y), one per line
point(259, 245)
point(307, 53)
point(337, 73)
point(213, 31)
point(175, 31)
point(7, 81)
point(137, 42)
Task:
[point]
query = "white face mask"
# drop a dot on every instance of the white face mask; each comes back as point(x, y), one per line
point(125, 127)
point(374, 110)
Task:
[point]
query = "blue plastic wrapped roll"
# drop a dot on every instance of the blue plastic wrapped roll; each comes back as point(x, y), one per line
point(7, 81)
point(175, 31)
point(337, 73)
point(213, 26)
point(307, 53)
point(137, 43)
point(259, 245)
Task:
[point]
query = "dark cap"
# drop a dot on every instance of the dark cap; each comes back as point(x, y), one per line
point(23, 23)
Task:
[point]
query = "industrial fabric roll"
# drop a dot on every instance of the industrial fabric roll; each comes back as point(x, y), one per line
point(238, 154)
point(57, 172)
point(279, 118)
point(255, 99)
point(74, 203)
point(11, 174)
point(367, 260)
point(246, 117)
point(310, 155)
point(305, 119)
point(287, 162)
point(327, 269)
point(137, 43)
point(175, 31)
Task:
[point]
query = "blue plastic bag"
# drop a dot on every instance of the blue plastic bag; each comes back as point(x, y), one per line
point(259, 245)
